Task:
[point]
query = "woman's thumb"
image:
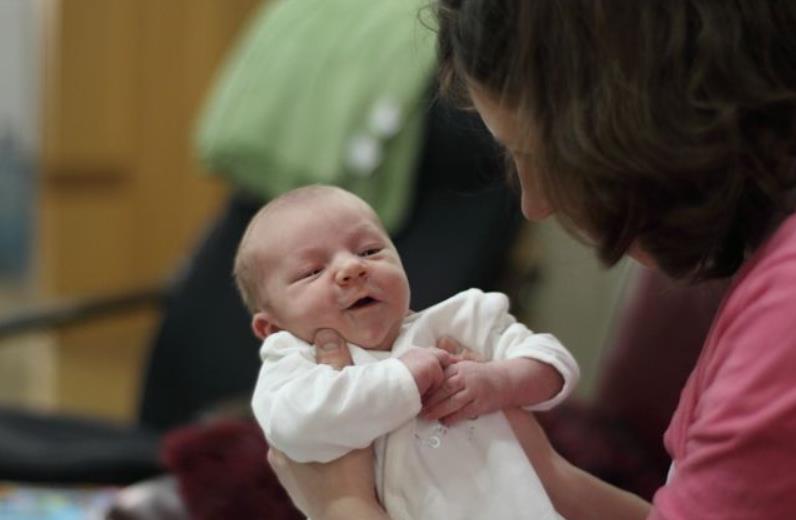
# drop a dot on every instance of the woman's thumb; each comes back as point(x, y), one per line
point(331, 349)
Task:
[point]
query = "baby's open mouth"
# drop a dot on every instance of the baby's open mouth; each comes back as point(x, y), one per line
point(362, 302)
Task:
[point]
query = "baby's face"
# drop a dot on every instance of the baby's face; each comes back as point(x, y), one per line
point(329, 264)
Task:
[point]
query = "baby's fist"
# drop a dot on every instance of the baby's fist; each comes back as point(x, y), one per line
point(427, 366)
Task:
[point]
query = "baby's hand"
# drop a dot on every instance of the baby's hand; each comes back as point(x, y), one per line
point(427, 366)
point(470, 389)
point(460, 352)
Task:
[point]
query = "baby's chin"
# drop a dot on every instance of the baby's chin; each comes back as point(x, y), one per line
point(379, 339)
point(374, 347)
point(380, 343)
point(385, 341)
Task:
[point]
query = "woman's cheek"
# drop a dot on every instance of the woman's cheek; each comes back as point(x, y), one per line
point(534, 204)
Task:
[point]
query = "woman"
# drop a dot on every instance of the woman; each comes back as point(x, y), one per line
point(663, 130)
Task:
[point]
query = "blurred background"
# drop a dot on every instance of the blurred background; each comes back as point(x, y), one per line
point(107, 215)
point(101, 193)
point(100, 190)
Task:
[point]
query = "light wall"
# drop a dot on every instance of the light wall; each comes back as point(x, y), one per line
point(575, 298)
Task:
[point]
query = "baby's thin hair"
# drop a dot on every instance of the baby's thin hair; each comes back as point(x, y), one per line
point(246, 270)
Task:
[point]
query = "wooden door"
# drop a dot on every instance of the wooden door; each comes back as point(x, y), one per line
point(122, 199)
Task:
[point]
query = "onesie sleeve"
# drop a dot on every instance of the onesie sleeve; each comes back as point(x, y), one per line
point(482, 322)
point(517, 341)
point(314, 413)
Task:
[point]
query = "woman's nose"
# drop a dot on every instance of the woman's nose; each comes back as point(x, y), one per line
point(536, 209)
point(351, 270)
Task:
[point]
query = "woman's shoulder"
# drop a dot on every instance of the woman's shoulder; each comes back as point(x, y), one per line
point(755, 327)
point(768, 280)
point(776, 257)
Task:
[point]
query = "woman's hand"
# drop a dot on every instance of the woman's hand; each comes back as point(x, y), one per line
point(343, 488)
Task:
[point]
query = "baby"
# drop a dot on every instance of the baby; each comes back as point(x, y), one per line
point(318, 257)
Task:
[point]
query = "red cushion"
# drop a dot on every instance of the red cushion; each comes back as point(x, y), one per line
point(222, 472)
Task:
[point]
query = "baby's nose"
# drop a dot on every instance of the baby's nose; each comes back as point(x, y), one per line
point(351, 271)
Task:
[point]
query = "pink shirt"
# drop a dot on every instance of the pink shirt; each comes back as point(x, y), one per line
point(733, 436)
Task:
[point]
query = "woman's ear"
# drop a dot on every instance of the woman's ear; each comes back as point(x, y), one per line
point(263, 326)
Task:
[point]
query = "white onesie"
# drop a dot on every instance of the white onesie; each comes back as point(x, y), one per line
point(424, 471)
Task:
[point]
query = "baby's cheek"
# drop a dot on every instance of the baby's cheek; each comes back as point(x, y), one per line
point(308, 320)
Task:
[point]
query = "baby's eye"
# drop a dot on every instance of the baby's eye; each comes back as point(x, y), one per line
point(309, 273)
point(370, 251)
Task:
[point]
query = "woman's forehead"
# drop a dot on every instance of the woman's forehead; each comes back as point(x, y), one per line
point(500, 119)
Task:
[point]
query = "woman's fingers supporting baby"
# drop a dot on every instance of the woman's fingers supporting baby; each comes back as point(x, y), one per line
point(316, 489)
point(331, 349)
point(284, 468)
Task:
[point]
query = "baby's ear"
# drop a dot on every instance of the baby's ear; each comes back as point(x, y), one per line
point(263, 326)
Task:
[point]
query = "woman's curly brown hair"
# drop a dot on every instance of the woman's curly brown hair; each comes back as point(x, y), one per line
point(666, 123)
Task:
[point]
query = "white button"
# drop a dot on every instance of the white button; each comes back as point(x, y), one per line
point(385, 117)
point(364, 154)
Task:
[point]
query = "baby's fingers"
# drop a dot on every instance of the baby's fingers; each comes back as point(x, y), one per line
point(447, 406)
point(450, 386)
point(444, 357)
point(449, 344)
point(467, 412)
point(461, 352)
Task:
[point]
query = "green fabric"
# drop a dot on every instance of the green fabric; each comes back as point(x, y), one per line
point(302, 86)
